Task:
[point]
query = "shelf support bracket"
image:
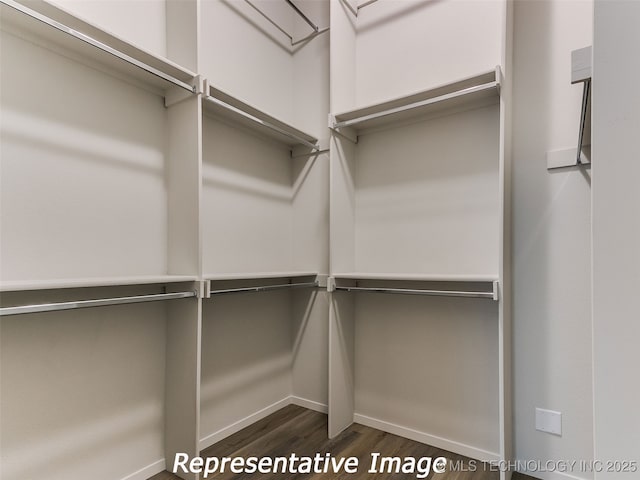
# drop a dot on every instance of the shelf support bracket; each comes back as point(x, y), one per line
point(331, 284)
point(581, 155)
point(345, 132)
point(176, 94)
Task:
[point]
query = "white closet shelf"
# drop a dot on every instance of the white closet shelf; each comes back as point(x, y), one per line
point(469, 286)
point(221, 104)
point(258, 276)
point(56, 28)
point(259, 282)
point(417, 277)
point(26, 285)
point(473, 92)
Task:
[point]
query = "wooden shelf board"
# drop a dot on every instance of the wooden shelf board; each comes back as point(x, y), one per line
point(220, 111)
point(50, 37)
point(417, 277)
point(25, 285)
point(473, 92)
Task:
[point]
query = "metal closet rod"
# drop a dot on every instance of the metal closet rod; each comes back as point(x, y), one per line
point(265, 288)
point(584, 112)
point(357, 8)
point(101, 302)
point(423, 103)
point(264, 123)
point(316, 30)
point(96, 43)
point(408, 291)
point(302, 15)
point(366, 4)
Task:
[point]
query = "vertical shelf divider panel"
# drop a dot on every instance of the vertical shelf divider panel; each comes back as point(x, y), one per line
point(342, 221)
point(182, 377)
point(505, 330)
point(341, 361)
point(184, 324)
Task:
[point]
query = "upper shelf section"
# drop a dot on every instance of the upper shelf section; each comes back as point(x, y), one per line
point(479, 90)
point(57, 284)
point(56, 27)
point(226, 106)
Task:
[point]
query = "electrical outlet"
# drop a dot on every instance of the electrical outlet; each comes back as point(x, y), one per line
point(549, 421)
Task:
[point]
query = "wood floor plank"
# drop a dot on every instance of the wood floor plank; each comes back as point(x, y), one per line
point(268, 424)
point(298, 430)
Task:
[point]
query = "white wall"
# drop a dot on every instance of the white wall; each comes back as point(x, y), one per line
point(96, 135)
point(246, 356)
point(244, 55)
point(436, 182)
point(616, 234)
point(410, 46)
point(82, 388)
point(124, 19)
point(417, 359)
point(551, 236)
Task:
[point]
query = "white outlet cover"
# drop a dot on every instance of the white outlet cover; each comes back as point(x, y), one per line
point(549, 421)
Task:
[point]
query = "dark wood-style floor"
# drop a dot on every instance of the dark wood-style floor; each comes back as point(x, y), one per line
point(304, 432)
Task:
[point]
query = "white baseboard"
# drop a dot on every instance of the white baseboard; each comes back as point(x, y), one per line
point(242, 423)
point(443, 443)
point(148, 471)
point(310, 404)
point(553, 476)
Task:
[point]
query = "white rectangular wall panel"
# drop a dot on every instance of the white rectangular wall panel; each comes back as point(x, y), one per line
point(616, 236)
point(245, 55)
point(552, 331)
point(429, 364)
point(246, 357)
point(124, 19)
point(248, 194)
point(310, 336)
point(83, 170)
point(409, 46)
point(427, 196)
point(82, 388)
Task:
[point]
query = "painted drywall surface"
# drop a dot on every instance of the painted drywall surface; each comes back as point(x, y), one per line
point(410, 46)
point(253, 175)
point(82, 388)
point(246, 356)
point(417, 359)
point(246, 56)
point(551, 236)
point(616, 235)
point(310, 336)
point(97, 135)
point(124, 19)
point(311, 72)
point(437, 182)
